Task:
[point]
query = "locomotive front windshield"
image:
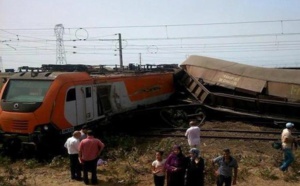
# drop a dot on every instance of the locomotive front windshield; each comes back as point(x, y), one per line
point(26, 90)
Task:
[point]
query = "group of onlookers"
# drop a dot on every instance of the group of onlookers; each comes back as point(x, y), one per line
point(180, 170)
point(177, 169)
point(84, 151)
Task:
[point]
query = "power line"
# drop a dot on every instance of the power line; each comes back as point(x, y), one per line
point(167, 25)
point(29, 42)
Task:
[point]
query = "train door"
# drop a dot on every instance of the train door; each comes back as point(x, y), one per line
point(79, 105)
point(89, 114)
point(84, 104)
point(103, 102)
point(70, 106)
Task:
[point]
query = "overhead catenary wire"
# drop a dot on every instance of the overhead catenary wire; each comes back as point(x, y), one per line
point(30, 41)
point(168, 25)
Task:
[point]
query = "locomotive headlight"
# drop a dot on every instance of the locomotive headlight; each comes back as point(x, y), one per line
point(46, 127)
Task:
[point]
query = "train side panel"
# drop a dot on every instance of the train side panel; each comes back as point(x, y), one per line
point(141, 91)
point(113, 96)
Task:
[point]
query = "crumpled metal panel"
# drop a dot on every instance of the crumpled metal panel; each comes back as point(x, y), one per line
point(227, 80)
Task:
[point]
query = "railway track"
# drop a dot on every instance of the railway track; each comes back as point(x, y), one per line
point(271, 135)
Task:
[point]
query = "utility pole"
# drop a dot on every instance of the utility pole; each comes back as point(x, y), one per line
point(60, 49)
point(140, 54)
point(120, 51)
point(1, 65)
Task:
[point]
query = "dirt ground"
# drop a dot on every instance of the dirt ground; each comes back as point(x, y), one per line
point(130, 165)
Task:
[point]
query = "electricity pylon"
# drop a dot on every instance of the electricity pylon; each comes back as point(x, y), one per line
point(60, 49)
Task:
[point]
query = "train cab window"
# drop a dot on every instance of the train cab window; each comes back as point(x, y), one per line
point(26, 90)
point(88, 92)
point(71, 95)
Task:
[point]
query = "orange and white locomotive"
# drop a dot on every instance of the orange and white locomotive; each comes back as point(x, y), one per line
point(52, 103)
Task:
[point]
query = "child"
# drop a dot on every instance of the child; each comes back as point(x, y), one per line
point(158, 169)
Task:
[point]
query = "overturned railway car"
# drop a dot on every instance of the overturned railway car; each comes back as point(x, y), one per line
point(239, 89)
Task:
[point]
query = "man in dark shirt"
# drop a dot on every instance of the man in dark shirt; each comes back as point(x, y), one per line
point(226, 164)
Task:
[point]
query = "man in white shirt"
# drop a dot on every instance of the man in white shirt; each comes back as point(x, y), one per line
point(72, 145)
point(193, 134)
point(287, 141)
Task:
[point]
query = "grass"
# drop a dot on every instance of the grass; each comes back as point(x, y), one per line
point(129, 161)
point(267, 173)
point(12, 176)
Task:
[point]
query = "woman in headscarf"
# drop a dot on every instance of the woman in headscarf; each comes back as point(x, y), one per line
point(175, 166)
point(195, 169)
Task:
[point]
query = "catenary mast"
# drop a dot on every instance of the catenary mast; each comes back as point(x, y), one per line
point(60, 49)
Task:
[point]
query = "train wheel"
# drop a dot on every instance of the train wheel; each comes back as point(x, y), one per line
point(200, 116)
point(174, 118)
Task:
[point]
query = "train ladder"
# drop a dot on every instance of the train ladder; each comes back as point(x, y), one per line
point(195, 87)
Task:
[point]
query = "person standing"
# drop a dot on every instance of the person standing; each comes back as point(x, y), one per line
point(193, 134)
point(195, 169)
point(158, 169)
point(89, 152)
point(72, 145)
point(226, 164)
point(287, 141)
point(83, 132)
point(176, 167)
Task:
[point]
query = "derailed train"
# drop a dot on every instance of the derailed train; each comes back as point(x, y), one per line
point(39, 108)
point(228, 87)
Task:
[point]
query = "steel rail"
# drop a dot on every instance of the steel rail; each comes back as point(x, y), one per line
point(223, 130)
point(210, 136)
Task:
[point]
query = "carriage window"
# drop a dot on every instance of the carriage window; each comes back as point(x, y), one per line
point(71, 95)
point(88, 92)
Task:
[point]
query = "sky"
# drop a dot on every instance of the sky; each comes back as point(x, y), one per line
point(262, 33)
